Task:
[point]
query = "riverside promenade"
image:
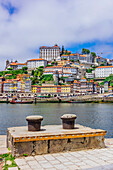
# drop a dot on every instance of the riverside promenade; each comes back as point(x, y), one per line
point(93, 159)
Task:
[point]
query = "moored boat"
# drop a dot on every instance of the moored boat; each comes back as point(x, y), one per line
point(75, 101)
point(13, 101)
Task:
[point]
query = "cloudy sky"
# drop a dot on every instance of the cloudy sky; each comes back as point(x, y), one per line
point(25, 25)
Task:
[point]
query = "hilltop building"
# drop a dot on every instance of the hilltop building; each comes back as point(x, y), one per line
point(15, 65)
point(50, 53)
point(35, 63)
point(101, 60)
point(83, 58)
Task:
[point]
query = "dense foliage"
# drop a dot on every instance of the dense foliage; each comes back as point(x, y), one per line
point(13, 73)
point(85, 51)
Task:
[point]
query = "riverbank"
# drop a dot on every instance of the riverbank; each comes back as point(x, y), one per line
point(74, 99)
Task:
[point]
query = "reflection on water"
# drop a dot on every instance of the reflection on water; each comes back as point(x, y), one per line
point(92, 115)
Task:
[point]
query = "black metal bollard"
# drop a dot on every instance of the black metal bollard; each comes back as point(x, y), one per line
point(68, 121)
point(35, 100)
point(34, 122)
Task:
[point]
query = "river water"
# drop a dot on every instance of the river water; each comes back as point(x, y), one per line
point(92, 115)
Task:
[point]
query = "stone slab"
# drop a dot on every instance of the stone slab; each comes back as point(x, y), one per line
point(51, 130)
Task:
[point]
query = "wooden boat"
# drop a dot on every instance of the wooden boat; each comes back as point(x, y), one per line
point(75, 101)
point(13, 101)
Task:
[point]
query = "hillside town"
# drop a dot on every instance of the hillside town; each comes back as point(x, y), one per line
point(58, 72)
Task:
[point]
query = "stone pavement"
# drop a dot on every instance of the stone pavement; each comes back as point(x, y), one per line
point(3, 148)
point(97, 159)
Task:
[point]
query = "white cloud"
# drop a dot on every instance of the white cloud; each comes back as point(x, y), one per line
point(46, 22)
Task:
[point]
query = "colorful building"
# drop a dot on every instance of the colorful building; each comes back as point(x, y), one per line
point(51, 89)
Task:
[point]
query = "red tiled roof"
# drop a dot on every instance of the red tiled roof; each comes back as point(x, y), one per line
point(75, 81)
point(83, 78)
point(104, 66)
point(15, 64)
point(38, 59)
point(8, 74)
point(54, 67)
point(81, 55)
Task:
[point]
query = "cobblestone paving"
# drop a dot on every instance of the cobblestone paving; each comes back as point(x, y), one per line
point(97, 159)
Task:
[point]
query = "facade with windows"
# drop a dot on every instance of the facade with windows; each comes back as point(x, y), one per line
point(50, 53)
point(51, 89)
point(61, 70)
point(90, 75)
point(103, 71)
point(16, 66)
point(86, 58)
point(35, 63)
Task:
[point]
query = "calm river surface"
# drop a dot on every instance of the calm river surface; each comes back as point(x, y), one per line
point(92, 115)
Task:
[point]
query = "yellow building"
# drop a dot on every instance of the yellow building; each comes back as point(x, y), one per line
point(63, 62)
point(34, 88)
point(22, 86)
point(49, 89)
point(65, 89)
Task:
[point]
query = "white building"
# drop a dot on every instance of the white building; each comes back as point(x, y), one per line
point(53, 68)
point(103, 71)
point(89, 75)
point(50, 53)
point(63, 71)
point(16, 66)
point(35, 63)
point(72, 70)
point(67, 74)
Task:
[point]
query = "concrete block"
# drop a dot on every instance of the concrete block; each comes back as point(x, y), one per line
point(41, 147)
point(22, 148)
point(53, 139)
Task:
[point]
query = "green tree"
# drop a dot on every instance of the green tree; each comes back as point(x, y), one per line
point(78, 60)
point(39, 74)
point(24, 68)
point(9, 68)
point(41, 67)
point(102, 64)
point(32, 73)
point(53, 63)
point(25, 72)
point(48, 65)
point(62, 49)
point(35, 74)
point(89, 70)
point(93, 54)
point(72, 60)
point(43, 81)
point(85, 51)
